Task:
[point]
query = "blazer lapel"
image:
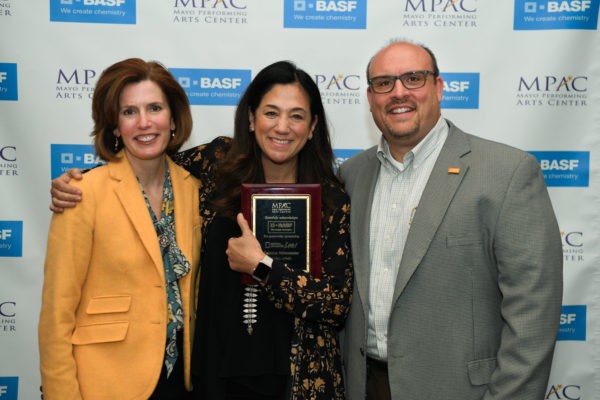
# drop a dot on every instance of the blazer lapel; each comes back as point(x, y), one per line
point(129, 193)
point(437, 195)
point(362, 200)
point(184, 209)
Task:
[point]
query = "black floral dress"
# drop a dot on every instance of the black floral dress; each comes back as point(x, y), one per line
point(318, 307)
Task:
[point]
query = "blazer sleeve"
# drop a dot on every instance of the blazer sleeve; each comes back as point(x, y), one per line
point(326, 299)
point(528, 250)
point(68, 255)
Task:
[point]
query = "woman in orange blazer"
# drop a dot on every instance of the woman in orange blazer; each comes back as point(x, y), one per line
point(118, 304)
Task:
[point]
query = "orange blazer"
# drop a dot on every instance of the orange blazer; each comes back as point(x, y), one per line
point(102, 328)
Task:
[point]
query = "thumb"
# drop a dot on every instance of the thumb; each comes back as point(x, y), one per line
point(244, 225)
point(75, 173)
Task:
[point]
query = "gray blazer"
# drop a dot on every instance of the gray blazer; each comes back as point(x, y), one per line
point(478, 295)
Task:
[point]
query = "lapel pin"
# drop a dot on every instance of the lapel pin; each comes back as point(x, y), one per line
point(454, 170)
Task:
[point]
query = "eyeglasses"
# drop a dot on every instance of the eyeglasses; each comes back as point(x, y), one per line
point(410, 80)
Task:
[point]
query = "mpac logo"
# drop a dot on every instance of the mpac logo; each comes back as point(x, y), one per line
point(210, 11)
point(458, 14)
point(5, 8)
point(8, 161)
point(572, 323)
point(568, 90)
point(63, 157)
point(11, 238)
point(550, 14)
point(8, 82)
point(441, 6)
point(7, 309)
point(339, 89)
point(93, 11)
point(325, 14)
point(563, 392)
point(572, 245)
point(461, 90)
point(8, 154)
point(216, 87)
point(75, 84)
point(554, 83)
point(8, 320)
point(212, 4)
point(341, 155)
point(565, 168)
point(9, 387)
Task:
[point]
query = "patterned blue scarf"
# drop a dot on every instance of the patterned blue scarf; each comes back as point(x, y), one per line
point(176, 267)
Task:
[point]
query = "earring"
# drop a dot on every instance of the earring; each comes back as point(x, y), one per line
point(173, 133)
point(116, 144)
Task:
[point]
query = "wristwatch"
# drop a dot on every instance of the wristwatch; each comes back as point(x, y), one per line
point(262, 269)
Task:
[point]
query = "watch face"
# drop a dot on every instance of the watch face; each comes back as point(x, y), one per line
point(261, 271)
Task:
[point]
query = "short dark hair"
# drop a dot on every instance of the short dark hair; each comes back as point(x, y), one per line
point(243, 162)
point(105, 103)
point(434, 64)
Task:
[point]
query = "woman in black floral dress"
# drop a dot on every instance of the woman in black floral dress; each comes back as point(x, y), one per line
point(280, 136)
point(292, 350)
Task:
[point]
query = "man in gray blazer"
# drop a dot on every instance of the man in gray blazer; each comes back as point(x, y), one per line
point(456, 248)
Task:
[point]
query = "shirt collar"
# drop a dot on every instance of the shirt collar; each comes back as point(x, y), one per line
point(432, 141)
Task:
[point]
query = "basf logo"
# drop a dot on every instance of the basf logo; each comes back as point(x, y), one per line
point(9, 387)
point(441, 14)
point(325, 14)
point(563, 391)
point(63, 157)
point(8, 317)
point(11, 238)
point(341, 155)
point(565, 168)
point(572, 323)
point(93, 11)
point(211, 12)
point(564, 90)
point(213, 87)
point(547, 14)
point(339, 88)
point(75, 84)
point(461, 90)
point(8, 82)
point(8, 161)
